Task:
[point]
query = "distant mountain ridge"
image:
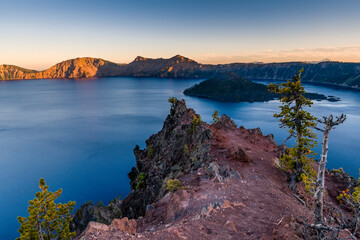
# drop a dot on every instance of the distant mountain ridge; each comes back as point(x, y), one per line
point(338, 73)
point(177, 66)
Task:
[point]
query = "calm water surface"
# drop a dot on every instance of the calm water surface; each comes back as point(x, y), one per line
point(79, 134)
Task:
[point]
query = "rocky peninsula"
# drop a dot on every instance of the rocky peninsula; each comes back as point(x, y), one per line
point(200, 181)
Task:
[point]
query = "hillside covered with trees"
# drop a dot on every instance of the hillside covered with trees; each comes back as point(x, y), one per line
point(230, 87)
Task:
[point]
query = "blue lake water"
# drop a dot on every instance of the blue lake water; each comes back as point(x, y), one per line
point(79, 134)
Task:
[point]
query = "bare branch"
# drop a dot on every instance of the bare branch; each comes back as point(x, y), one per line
point(291, 135)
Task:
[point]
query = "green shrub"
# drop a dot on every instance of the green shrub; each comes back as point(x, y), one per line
point(173, 100)
point(186, 149)
point(195, 122)
point(215, 117)
point(340, 170)
point(173, 185)
point(141, 181)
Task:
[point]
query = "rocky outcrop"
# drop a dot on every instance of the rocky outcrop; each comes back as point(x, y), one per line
point(229, 186)
point(94, 227)
point(124, 225)
point(118, 229)
point(181, 147)
point(227, 176)
point(89, 212)
point(340, 181)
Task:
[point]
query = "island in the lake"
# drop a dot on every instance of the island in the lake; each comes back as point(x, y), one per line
point(230, 87)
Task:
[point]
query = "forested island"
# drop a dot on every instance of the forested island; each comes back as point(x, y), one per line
point(230, 87)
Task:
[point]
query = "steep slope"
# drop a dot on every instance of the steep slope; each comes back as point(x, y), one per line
point(74, 68)
point(231, 188)
point(9, 72)
point(81, 68)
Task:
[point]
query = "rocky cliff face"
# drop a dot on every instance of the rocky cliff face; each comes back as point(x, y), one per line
point(74, 68)
point(181, 147)
point(9, 72)
point(81, 68)
point(338, 73)
point(89, 212)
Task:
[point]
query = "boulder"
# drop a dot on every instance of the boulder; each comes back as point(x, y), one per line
point(124, 225)
point(234, 174)
point(241, 156)
point(94, 227)
point(214, 172)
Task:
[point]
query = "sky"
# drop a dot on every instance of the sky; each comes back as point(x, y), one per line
point(37, 34)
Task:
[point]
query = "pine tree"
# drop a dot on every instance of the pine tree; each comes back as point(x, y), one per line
point(299, 123)
point(47, 220)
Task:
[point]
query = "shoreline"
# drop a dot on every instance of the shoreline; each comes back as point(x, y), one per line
point(322, 84)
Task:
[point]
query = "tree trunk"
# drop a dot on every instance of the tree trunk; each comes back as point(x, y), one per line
point(298, 164)
point(293, 180)
point(40, 230)
point(320, 181)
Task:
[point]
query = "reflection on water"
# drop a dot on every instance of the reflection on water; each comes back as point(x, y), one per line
point(79, 134)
